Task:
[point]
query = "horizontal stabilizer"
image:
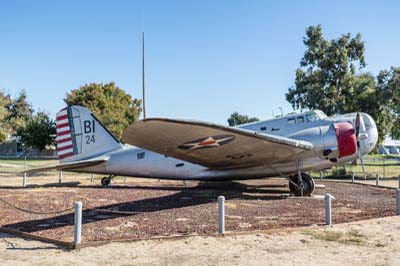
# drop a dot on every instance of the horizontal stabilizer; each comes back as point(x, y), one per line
point(69, 166)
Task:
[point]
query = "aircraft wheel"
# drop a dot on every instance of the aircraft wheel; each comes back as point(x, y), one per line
point(307, 183)
point(105, 181)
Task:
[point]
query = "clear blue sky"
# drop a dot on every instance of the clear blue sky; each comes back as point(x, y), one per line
point(205, 59)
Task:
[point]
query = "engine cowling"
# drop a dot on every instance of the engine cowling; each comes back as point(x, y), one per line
point(346, 139)
point(340, 141)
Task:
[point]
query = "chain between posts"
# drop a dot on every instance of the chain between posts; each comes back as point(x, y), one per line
point(34, 212)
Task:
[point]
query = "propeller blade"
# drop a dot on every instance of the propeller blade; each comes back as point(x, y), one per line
point(359, 126)
point(362, 162)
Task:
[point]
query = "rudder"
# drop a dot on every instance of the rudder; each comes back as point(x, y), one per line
point(80, 135)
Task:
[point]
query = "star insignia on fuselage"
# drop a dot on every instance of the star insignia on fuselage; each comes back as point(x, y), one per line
point(208, 142)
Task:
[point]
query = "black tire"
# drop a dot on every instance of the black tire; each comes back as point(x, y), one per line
point(308, 185)
point(105, 181)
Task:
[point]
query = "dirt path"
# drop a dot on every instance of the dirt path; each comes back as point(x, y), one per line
point(373, 242)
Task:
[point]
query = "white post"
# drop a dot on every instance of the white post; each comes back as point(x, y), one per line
point(328, 209)
point(78, 223)
point(221, 214)
point(398, 201)
point(24, 180)
point(321, 175)
point(352, 177)
point(377, 180)
point(92, 178)
point(60, 176)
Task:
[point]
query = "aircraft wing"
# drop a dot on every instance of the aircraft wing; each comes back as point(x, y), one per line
point(68, 166)
point(211, 145)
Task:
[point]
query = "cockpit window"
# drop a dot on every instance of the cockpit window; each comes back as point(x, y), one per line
point(312, 117)
point(291, 121)
point(300, 119)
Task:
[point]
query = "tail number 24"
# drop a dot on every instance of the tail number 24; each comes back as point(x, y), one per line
point(89, 130)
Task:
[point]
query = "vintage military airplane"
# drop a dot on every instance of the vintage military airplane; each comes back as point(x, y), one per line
point(288, 146)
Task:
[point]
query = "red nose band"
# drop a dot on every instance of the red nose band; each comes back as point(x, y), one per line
point(346, 138)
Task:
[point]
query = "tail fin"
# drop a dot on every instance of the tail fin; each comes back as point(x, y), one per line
point(80, 135)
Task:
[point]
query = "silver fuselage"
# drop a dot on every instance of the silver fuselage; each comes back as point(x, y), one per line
point(138, 162)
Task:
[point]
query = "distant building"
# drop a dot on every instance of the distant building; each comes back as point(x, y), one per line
point(389, 146)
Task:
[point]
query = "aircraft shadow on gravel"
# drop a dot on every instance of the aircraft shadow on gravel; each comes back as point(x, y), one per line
point(185, 197)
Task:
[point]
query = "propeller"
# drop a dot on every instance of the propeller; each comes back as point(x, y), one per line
point(360, 135)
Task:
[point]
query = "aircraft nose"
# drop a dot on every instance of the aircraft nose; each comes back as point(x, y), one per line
point(372, 131)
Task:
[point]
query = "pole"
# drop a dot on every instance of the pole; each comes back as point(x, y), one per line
point(92, 178)
point(352, 177)
point(377, 180)
point(24, 180)
point(221, 214)
point(383, 166)
point(321, 175)
point(328, 209)
point(78, 223)
point(398, 201)
point(143, 79)
point(60, 177)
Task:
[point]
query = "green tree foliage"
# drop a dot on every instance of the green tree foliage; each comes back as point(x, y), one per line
point(370, 97)
point(388, 85)
point(238, 119)
point(18, 112)
point(327, 80)
point(112, 106)
point(4, 102)
point(39, 132)
point(326, 74)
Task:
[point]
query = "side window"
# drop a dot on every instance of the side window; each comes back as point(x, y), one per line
point(263, 128)
point(300, 119)
point(291, 121)
point(140, 155)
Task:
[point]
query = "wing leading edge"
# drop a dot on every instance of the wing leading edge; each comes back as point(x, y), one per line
point(211, 145)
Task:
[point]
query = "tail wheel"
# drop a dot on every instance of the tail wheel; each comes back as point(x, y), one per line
point(307, 184)
point(105, 181)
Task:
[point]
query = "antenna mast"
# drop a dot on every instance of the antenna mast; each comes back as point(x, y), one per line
point(143, 79)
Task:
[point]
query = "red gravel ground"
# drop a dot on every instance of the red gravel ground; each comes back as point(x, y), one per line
point(144, 210)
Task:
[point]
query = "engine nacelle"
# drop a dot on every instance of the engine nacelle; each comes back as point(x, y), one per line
point(331, 141)
point(339, 141)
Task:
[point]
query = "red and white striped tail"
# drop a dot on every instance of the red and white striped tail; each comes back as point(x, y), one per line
point(65, 146)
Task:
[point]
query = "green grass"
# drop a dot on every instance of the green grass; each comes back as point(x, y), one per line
point(384, 165)
point(15, 166)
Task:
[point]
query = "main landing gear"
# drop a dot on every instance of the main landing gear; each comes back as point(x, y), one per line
point(106, 181)
point(296, 185)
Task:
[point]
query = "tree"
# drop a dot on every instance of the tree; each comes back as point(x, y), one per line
point(238, 119)
point(112, 106)
point(371, 97)
point(388, 85)
point(39, 131)
point(18, 112)
point(4, 102)
point(326, 75)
